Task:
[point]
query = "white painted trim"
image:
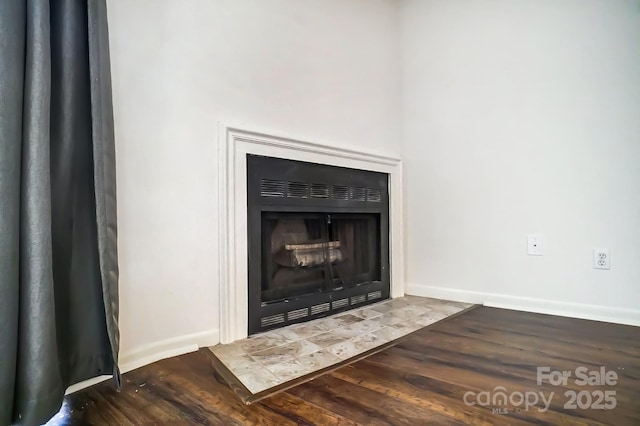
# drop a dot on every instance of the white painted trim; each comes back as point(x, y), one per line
point(85, 384)
point(167, 348)
point(234, 143)
point(156, 351)
point(529, 304)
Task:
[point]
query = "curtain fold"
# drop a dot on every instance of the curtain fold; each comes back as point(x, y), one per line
point(104, 167)
point(58, 255)
point(12, 63)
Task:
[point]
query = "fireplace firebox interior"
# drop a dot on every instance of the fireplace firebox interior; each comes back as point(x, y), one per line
point(318, 240)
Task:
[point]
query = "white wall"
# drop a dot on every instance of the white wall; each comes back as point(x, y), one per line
point(522, 117)
point(519, 116)
point(326, 70)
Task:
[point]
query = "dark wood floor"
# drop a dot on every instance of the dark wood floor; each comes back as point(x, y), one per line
point(422, 380)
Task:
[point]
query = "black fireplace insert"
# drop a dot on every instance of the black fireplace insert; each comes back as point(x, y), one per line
point(318, 240)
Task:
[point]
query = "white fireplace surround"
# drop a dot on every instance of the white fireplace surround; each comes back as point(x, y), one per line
point(234, 143)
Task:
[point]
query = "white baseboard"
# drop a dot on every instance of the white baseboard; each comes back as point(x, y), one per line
point(156, 351)
point(85, 384)
point(528, 304)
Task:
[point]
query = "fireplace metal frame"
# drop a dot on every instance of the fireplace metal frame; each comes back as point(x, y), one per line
point(279, 185)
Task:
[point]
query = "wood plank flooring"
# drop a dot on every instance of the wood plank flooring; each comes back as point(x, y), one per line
point(422, 380)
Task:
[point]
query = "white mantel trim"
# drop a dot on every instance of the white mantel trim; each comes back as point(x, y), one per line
point(234, 143)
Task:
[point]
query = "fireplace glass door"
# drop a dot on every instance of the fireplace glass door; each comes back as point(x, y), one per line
point(307, 253)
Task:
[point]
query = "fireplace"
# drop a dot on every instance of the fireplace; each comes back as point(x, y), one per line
point(318, 240)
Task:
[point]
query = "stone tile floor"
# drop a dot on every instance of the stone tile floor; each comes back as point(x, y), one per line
point(269, 359)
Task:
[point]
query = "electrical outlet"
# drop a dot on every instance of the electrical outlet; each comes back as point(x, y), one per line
point(535, 245)
point(601, 258)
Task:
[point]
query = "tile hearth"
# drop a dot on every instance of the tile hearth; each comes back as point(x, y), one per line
point(275, 357)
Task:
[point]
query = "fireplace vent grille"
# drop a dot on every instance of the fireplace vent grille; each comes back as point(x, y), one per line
point(319, 190)
point(271, 320)
point(357, 194)
point(297, 190)
point(374, 295)
point(358, 299)
point(271, 188)
point(337, 304)
point(298, 313)
point(293, 189)
point(374, 195)
point(339, 192)
point(317, 309)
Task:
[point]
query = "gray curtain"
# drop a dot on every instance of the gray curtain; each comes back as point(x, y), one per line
point(58, 259)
